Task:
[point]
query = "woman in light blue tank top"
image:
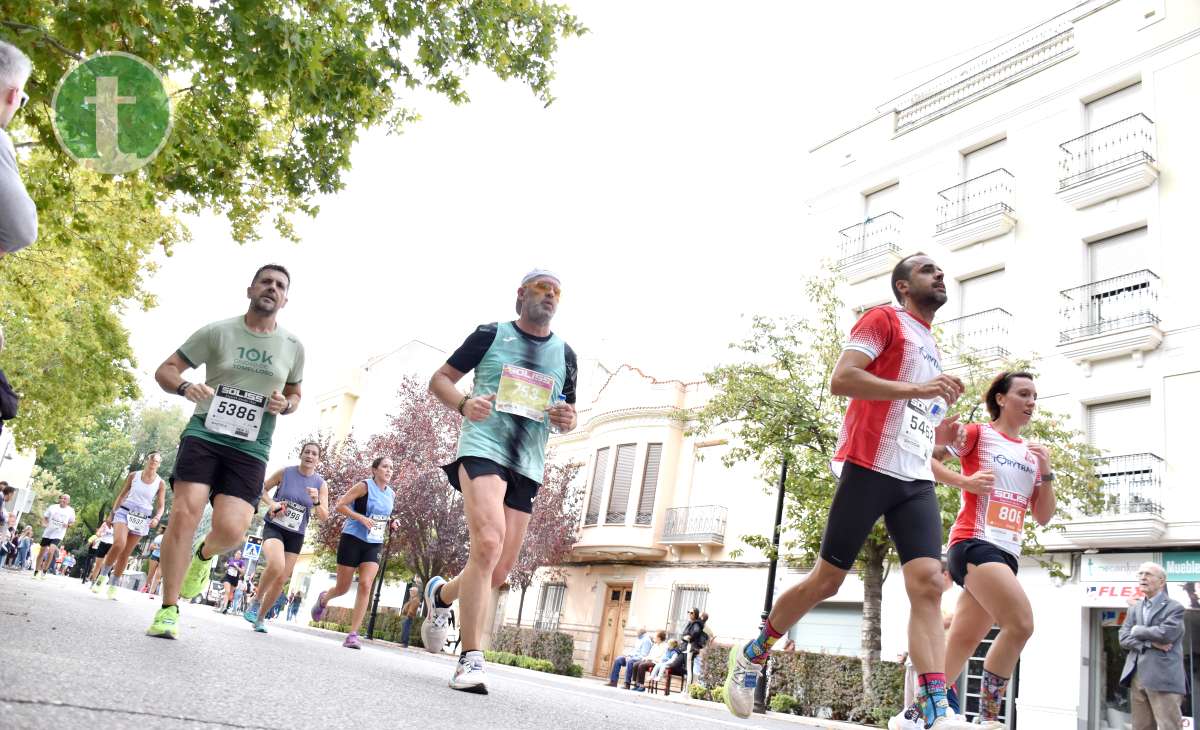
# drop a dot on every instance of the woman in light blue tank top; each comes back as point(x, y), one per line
point(367, 509)
point(292, 495)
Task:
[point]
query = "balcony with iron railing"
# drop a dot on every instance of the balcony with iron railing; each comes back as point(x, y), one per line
point(1110, 318)
point(699, 525)
point(976, 210)
point(1108, 162)
point(982, 335)
point(1132, 502)
point(869, 248)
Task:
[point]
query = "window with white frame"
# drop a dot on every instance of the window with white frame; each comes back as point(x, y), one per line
point(599, 478)
point(683, 599)
point(981, 293)
point(550, 606)
point(882, 201)
point(618, 499)
point(1120, 104)
point(645, 509)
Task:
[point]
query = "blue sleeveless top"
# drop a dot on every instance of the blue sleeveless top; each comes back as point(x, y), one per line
point(378, 507)
point(294, 489)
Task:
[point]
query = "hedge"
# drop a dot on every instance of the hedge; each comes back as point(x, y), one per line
point(553, 646)
point(514, 660)
point(820, 685)
point(389, 625)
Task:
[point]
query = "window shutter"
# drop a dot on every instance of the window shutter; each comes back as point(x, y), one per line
point(599, 477)
point(1120, 427)
point(645, 513)
point(618, 501)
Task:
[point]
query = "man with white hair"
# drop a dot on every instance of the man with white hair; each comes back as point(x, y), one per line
point(1153, 636)
point(524, 385)
point(18, 214)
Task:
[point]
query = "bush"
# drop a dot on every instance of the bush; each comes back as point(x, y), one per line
point(575, 671)
point(552, 646)
point(697, 692)
point(515, 660)
point(718, 694)
point(821, 685)
point(784, 703)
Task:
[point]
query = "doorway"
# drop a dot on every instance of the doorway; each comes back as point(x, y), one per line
point(612, 626)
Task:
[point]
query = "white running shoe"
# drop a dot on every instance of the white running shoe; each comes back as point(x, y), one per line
point(740, 682)
point(469, 675)
point(903, 722)
point(953, 722)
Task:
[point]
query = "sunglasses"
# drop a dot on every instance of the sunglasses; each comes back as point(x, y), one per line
point(22, 100)
point(545, 287)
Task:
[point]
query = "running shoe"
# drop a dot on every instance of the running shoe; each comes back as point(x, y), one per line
point(260, 627)
point(251, 613)
point(906, 720)
point(469, 675)
point(318, 608)
point(436, 625)
point(955, 722)
point(112, 593)
point(99, 584)
point(196, 576)
point(741, 680)
point(352, 641)
point(166, 623)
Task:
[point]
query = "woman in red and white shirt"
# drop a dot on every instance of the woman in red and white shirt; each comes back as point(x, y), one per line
point(1002, 478)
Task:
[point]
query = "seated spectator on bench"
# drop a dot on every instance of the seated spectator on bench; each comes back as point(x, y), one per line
point(672, 651)
point(654, 657)
point(641, 649)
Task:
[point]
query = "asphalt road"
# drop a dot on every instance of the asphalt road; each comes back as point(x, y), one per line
point(71, 659)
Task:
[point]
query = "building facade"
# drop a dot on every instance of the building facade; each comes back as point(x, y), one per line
point(1053, 178)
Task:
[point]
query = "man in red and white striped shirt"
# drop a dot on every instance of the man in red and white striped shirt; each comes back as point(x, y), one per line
point(891, 370)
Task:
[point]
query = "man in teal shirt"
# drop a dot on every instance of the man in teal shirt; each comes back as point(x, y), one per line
point(524, 384)
point(253, 373)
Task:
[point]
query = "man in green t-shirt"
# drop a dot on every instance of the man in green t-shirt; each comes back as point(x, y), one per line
point(253, 372)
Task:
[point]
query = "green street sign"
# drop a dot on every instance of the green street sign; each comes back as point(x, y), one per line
point(112, 113)
point(1182, 567)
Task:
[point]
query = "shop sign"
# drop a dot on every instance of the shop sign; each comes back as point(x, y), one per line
point(1112, 567)
point(1111, 594)
point(1182, 566)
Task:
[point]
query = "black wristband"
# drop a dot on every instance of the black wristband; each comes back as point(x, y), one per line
point(182, 389)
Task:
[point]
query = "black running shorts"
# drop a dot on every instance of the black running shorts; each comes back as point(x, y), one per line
point(103, 548)
point(975, 552)
point(292, 541)
point(48, 541)
point(353, 552)
point(909, 510)
point(520, 489)
point(225, 470)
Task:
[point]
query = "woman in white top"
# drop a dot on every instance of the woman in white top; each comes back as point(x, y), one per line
point(132, 518)
point(101, 544)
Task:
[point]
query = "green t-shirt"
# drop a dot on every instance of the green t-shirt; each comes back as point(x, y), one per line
point(238, 357)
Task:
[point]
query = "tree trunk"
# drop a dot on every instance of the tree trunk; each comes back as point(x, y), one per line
point(872, 578)
point(521, 606)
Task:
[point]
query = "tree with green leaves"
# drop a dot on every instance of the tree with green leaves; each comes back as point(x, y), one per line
point(776, 403)
point(268, 99)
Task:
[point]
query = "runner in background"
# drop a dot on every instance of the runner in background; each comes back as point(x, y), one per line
point(144, 492)
point(235, 568)
point(152, 574)
point(292, 495)
point(98, 546)
point(367, 507)
point(56, 520)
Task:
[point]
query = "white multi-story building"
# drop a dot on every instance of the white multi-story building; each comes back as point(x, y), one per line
point(1053, 177)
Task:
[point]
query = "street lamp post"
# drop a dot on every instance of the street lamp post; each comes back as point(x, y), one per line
point(760, 690)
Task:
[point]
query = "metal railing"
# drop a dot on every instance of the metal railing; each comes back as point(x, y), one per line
point(873, 237)
point(975, 199)
point(1129, 300)
point(1132, 484)
point(1121, 144)
point(982, 334)
point(704, 524)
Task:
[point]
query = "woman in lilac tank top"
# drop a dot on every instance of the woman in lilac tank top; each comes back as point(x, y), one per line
point(292, 495)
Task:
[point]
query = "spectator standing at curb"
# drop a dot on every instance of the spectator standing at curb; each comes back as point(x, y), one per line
point(409, 612)
point(696, 640)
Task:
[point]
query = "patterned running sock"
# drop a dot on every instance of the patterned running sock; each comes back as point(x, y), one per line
point(934, 704)
point(952, 698)
point(437, 599)
point(758, 650)
point(991, 695)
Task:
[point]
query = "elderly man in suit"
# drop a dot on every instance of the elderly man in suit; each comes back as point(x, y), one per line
point(1153, 636)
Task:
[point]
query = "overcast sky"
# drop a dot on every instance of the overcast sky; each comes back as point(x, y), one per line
point(665, 185)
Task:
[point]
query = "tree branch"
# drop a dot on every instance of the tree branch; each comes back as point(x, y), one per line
point(45, 34)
